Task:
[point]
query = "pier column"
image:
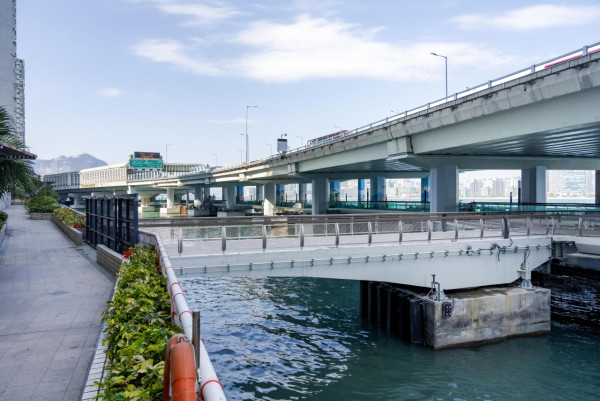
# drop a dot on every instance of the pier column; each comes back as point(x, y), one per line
point(443, 189)
point(334, 191)
point(260, 192)
point(170, 197)
point(533, 184)
point(239, 196)
point(362, 197)
point(378, 193)
point(425, 189)
point(302, 193)
point(597, 201)
point(200, 194)
point(270, 199)
point(320, 197)
point(229, 193)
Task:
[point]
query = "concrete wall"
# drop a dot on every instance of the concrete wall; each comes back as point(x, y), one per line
point(487, 315)
point(108, 259)
point(74, 234)
point(3, 233)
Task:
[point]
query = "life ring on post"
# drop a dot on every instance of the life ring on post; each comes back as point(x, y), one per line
point(179, 379)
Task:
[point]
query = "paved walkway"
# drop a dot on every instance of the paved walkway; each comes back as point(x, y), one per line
point(52, 294)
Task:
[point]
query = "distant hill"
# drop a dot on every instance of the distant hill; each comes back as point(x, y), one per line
point(64, 164)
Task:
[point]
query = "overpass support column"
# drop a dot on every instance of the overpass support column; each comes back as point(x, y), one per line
point(334, 191)
point(229, 192)
point(239, 195)
point(597, 187)
point(362, 197)
point(260, 192)
point(170, 197)
point(280, 192)
point(270, 198)
point(199, 195)
point(533, 184)
point(444, 189)
point(378, 189)
point(320, 196)
point(302, 193)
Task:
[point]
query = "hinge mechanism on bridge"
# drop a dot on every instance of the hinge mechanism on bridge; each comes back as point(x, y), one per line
point(436, 293)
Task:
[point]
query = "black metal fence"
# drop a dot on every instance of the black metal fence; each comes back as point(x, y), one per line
point(112, 221)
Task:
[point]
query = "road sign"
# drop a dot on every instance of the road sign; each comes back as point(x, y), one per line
point(146, 164)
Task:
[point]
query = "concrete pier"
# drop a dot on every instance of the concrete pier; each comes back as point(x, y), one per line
point(465, 318)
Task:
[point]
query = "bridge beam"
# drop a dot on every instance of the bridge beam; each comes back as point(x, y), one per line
point(443, 189)
point(533, 183)
point(320, 198)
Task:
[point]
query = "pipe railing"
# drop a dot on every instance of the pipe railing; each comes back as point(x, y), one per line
point(209, 386)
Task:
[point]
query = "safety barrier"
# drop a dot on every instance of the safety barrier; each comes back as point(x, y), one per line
point(215, 239)
point(210, 389)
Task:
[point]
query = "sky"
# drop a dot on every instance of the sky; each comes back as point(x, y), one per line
point(110, 77)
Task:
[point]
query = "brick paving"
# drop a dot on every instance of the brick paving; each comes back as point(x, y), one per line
point(52, 294)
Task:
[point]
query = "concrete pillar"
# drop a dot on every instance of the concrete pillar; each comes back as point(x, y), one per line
point(239, 195)
point(533, 184)
point(270, 199)
point(199, 195)
point(320, 196)
point(230, 192)
point(597, 187)
point(280, 192)
point(362, 194)
point(334, 191)
point(260, 192)
point(378, 189)
point(170, 197)
point(443, 189)
point(302, 193)
point(425, 189)
point(144, 200)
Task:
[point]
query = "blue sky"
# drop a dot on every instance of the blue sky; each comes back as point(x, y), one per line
point(115, 76)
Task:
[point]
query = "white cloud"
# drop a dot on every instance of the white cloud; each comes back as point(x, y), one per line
point(534, 17)
point(310, 48)
point(206, 13)
point(109, 92)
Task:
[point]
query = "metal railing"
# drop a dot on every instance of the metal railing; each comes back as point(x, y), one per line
point(507, 207)
point(318, 233)
point(411, 206)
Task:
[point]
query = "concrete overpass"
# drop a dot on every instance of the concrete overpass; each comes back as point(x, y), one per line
point(542, 117)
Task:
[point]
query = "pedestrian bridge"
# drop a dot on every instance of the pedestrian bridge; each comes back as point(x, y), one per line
point(462, 251)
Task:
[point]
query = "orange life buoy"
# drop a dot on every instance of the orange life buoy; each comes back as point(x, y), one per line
point(179, 379)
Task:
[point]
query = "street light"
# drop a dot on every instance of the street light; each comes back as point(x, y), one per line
point(215, 155)
point(446, 60)
point(167, 152)
point(247, 153)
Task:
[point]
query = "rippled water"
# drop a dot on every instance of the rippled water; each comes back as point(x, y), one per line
point(295, 339)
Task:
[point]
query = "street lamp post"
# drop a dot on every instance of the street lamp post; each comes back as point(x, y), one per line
point(167, 152)
point(446, 60)
point(247, 152)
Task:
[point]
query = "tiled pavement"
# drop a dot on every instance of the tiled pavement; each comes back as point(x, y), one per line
point(52, 294)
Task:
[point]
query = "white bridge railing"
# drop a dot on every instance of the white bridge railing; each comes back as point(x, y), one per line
point(236, 238)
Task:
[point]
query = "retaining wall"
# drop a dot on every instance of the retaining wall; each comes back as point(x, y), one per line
point(108, 259)
point(40, 216)
point(74, 234)
point(3, 233)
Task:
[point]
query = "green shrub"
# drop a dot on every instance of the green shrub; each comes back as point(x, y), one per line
point(1, 224)
point(3, 216)
point(138, 327)
point(69, 217)
point(41, 204)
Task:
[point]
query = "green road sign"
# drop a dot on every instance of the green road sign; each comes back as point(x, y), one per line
point(146, 163)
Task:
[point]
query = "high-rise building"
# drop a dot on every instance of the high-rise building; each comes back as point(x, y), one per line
point(11, 70)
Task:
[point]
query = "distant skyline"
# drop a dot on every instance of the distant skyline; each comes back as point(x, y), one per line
point(117, 76)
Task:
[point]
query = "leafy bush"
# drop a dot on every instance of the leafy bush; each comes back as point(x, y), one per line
point(1, 224)
point(69, 217)
point(3, 216)
point(41, 204)
point(138, 328)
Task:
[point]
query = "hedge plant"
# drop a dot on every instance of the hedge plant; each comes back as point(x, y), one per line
point(3, 217)
point(41, 204)
point(138, 326)
point(69, 217)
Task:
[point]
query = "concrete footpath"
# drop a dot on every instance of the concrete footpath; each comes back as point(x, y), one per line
point(52, 294)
